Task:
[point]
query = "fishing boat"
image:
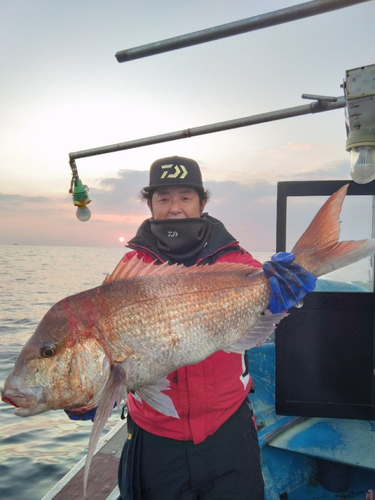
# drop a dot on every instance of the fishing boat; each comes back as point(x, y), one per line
point(314, 443)
point(303, 458)
point(317, 441)
point(102, 484)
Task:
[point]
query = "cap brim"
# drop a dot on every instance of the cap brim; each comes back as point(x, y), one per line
point(197, 187)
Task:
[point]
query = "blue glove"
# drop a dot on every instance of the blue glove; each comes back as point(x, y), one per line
point(87, 415)
point(290, 283)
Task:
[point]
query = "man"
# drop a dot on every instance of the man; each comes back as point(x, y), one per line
point(211, 451)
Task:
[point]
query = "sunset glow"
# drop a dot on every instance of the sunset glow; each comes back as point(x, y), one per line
point(73, 95)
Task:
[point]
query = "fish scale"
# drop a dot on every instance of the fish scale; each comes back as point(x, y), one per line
point(196, 311)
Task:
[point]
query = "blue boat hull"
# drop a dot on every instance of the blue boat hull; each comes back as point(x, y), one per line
point(308, 458)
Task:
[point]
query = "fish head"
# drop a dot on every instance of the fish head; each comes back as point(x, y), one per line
point(62, 366)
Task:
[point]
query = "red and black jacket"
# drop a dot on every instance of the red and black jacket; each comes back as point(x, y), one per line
point(206, 394)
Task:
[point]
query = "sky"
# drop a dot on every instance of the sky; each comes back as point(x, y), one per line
point(62, 90)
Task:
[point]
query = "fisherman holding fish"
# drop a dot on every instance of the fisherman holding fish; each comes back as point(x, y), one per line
point(211, 450)
point(168, 335)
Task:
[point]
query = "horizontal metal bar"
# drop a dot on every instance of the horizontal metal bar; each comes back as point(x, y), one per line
point(274, 18)
point(315, 107)
point(316, 97)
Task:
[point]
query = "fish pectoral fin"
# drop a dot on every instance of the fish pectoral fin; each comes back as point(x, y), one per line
point(114, 390)
point(258, 333)
point(152, 394)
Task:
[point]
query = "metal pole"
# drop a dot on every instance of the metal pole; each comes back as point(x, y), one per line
point(316, 107)
point(236, 28)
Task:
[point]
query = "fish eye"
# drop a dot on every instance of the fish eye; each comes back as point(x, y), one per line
point(48, 350)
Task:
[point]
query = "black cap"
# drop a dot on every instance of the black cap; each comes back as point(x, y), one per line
point(175, 171)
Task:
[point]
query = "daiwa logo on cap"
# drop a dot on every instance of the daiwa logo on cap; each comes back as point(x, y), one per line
point(175, 171)
point(179, 172)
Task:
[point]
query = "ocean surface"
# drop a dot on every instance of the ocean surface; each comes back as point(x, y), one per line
point(36, 452)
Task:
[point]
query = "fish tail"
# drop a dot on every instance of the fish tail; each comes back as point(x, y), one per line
point(319, 250)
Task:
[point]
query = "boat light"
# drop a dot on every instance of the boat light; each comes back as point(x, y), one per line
point(360, 122)
point(81, 200)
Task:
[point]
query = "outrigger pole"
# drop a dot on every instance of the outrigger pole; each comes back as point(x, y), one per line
point(320, 104)
point(274, 18)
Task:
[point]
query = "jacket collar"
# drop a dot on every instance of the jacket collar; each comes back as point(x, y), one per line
point(219, 239)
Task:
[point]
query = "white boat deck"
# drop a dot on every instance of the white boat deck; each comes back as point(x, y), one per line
point(102, 482)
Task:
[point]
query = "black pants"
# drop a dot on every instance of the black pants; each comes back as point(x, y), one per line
point(226, 466)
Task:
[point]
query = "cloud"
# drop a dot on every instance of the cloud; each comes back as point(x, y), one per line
point(295, 161)
point(121, 195)
point(10, 200)
point(330, 171)
point(247, 210)
point(246, 205)
point(284, 149)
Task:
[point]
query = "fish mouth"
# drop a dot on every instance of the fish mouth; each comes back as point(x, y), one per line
point(26, 401)
point(13, 399)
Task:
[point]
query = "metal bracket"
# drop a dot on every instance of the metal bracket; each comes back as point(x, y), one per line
point(75, 177)
point(321, 103)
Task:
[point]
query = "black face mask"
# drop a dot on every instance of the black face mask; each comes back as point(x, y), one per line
point(181, 239)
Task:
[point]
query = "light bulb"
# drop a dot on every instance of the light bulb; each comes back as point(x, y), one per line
point(362, 164)
point(83, 214)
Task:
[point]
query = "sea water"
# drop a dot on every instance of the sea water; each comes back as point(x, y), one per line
point(36, 452)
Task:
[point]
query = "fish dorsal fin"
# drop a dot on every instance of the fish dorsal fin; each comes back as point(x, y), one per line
point(130, 268)
point(137, 267)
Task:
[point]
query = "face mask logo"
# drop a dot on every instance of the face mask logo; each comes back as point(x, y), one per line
point(179, 172)
point(180, 239)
